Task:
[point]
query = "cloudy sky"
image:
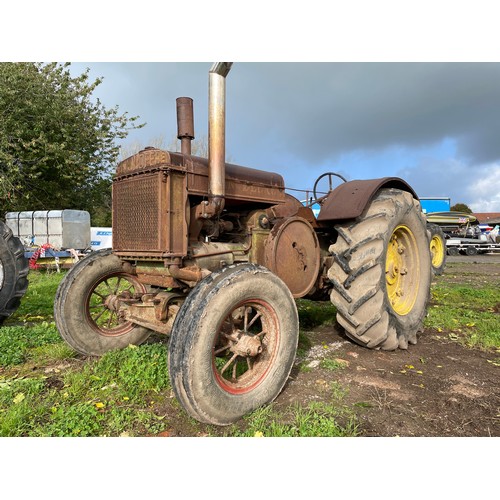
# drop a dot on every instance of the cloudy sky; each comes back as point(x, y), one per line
point(434, 124)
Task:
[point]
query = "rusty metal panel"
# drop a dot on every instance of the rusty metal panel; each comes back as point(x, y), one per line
point(242, 183)
point(176, 223)
point(149, 215)
point(348, 200)
point(148, 158)
point(137, 205)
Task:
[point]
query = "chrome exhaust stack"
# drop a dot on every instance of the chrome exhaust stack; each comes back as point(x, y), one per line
point(217, 134)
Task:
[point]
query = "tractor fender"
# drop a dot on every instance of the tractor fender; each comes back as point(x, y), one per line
point(348, 200)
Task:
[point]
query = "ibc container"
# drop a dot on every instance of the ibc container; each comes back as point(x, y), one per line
point(62, 229)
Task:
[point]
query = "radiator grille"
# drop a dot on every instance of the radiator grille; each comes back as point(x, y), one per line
point(136, 214)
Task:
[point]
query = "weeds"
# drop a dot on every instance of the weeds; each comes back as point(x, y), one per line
point(467, 314)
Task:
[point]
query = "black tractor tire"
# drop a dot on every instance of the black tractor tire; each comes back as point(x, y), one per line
point(453, 251)
point(381, 273)
point(233, 344)
point(83, 319)
point(14, 268)
point(437, 244)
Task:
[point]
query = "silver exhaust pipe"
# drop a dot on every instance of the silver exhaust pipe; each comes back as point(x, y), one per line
point(217, 134)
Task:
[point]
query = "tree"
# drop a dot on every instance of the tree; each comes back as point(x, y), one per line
point(58, 146)
point(461, 207)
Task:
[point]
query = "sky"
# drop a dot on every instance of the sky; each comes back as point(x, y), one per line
point(434, 124)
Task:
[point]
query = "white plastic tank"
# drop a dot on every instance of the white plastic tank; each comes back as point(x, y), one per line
point(62, 229)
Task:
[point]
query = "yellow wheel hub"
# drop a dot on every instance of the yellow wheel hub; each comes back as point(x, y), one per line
point(437, 251)
point(402, 270)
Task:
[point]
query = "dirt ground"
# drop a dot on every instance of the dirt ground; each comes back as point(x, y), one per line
point(435, 388)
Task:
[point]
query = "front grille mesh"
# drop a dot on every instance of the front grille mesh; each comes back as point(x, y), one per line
point(136, 213)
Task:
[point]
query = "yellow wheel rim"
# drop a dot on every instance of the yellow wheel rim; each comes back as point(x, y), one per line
point(402, 270)
point(437, 251)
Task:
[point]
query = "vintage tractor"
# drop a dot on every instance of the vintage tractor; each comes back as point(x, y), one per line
point(214, 255)
point(13, 272)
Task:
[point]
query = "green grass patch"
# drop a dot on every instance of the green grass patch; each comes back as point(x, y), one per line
point(17, 341)
point(313, 314)
point(317, 419)
point(332, 364)
point(107, 397)
point(38, 302)
point(469, 315)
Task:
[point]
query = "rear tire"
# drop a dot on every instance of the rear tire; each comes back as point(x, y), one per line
point(438, 248)
point(381, 273)
point(82, 317)
point(14, 268)
point(233, 344)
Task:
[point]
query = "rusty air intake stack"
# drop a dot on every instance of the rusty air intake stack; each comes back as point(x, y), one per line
point(185, 123)
point(217, 134)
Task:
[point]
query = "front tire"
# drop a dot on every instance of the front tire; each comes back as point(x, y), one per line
point(84, 315)
point(381, 273)
point(233, 344)
point(14, 269)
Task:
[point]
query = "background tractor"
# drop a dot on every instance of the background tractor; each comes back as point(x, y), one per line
point(13, 272)
point(214, 255)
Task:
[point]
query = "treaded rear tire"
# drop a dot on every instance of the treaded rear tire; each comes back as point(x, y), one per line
point(14, 268)
point(360, 274)
point(437, 248)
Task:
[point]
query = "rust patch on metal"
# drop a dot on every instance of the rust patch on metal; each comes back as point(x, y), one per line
point(292, 252)
point(348, 200)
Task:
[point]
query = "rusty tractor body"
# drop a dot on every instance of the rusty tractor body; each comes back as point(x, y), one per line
point(214, 255)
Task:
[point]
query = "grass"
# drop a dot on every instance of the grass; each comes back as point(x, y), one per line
point(316, 419)
point(468, 314)
point(47, 389)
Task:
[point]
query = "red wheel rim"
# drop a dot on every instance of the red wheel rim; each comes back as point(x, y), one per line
point(103, 319)
point(250, 325)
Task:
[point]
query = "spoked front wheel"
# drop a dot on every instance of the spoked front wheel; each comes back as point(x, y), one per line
point(86, 307)
point(233, 344)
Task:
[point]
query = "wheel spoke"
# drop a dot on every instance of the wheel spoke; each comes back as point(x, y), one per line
point(117, 287)
point(245, 320)
point(221, 349)
point(228, 363)
point(96, 306)
point(108, 285)
point(255, 318)
point(100, 314)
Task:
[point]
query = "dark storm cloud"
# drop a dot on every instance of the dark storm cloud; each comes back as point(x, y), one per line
point(322, 110)
point(316, 111)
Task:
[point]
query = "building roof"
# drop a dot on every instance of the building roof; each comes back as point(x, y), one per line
point(488, 217)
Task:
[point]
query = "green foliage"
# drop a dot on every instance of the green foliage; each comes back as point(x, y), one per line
point(57, 143)
point(461, 207)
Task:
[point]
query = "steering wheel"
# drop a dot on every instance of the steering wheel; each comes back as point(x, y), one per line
point(330, 177)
